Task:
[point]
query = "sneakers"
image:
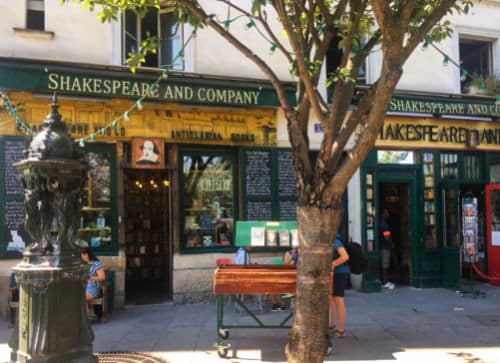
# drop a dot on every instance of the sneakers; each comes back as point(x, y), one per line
point(389, 285)
point(277, 307)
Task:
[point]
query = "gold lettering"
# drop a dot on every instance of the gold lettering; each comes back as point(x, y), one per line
point(168, 93)
point(97, 85)
point(255, 97)
point(135, 90)
point(86, 85)
point(238, 99)
point(178, 92)
point(53, 77)
point(116, 86)
point(76, 85)
point(126, 88)
point(201, 94)
point(107, 86)
point(145, 89)
point(222, 95)
point(64, 84)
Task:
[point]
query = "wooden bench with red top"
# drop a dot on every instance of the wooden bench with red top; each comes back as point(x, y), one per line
point(255, 279)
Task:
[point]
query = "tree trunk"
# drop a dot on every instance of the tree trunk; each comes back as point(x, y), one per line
point(308, 337)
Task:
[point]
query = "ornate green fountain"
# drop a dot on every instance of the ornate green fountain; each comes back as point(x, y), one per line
point(52, 324)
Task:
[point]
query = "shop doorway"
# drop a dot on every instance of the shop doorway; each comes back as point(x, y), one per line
point(147, 231)
point(395, 197)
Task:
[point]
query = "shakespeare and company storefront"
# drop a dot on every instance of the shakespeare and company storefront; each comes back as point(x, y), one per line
point(165, 184)
point(426, 171)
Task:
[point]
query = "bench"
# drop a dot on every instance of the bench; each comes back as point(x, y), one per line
point(101, 303)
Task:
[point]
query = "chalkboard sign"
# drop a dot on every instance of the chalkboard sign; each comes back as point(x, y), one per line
point(13, 152)
point(269, 185)
point(259, 210)
point(286, 174)
point(258, 173)
point(287, 210)
point(15, 235)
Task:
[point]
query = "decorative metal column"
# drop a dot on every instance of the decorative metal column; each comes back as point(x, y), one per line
point(52, 324)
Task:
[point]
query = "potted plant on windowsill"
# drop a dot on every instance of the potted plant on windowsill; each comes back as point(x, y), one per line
point(484, 85)
point(477, 85)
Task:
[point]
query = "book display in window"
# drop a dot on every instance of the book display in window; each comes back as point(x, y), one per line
point(429, 200)
point(95, 215)
point(370, 212)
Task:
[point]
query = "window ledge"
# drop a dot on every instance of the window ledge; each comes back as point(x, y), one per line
point(33, 33)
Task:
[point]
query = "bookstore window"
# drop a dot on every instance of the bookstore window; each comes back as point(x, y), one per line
point(35, 15)
point(160, 23)
point(494, 164)
point(97, 228)
point(208, 200)
point(395, 157)
point(476, 59)
point(449, 166)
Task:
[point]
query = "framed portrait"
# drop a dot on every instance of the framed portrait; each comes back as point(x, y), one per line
point(148, 153)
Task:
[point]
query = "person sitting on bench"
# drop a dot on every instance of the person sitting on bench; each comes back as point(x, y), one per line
point(97, 276)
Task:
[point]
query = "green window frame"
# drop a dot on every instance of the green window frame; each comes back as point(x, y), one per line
point(99, 213)
point(208, 205)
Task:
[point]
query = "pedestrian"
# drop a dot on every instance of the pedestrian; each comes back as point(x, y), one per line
point(385, 245)
point(243, 256)
point(341, 273)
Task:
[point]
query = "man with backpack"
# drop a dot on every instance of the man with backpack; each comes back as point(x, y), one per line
point(341, 274)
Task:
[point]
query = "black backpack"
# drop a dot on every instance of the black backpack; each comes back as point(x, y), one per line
point(358, 262)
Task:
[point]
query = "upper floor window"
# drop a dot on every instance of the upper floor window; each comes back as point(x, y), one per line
point(161, 23)
point(35, 15)
point(476, 59)
point(334, 56)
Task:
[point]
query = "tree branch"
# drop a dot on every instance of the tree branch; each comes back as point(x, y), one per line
point(417, 34)
point(280, 91)
point(296, 45)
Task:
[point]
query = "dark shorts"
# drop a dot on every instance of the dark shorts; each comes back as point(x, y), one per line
point(339, 284)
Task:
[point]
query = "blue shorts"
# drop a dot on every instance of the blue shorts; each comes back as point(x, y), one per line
point(96, 292)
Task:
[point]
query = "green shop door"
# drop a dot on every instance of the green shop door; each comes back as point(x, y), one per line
point(450, 232)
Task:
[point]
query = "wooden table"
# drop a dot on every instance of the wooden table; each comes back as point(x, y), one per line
point(250, 280)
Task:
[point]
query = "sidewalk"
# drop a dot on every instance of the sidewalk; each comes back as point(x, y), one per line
point(401, 325)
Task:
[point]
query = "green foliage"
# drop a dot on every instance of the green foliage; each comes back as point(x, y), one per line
point(341, 74)
point(148, 45)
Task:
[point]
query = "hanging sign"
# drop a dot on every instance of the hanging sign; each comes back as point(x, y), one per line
point(148, 153)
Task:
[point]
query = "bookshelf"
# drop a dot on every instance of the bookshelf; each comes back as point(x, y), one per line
point(429, 199)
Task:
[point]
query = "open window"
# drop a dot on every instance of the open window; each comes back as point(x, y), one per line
point(35, 15)
point(161, 23)
point(334, 56)
point(476, 60)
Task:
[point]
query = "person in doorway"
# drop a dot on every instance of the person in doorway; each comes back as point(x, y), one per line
point(97, 276)
point(385, 248)
point(150, 154)
point(341, 273)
